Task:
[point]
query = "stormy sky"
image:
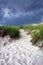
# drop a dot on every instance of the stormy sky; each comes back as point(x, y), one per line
point(20, 12)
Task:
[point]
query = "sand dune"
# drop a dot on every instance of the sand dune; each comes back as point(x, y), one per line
point(19, 52)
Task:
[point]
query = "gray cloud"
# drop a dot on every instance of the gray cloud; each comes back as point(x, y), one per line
point(22, 10)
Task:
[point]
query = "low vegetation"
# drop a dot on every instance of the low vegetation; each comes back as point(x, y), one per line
point(12, 31)
point(36, 33)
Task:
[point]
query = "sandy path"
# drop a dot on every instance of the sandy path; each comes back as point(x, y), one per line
point(20, 52)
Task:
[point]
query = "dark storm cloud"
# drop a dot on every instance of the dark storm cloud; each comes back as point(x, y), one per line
point(31, 10)
point(26, 5)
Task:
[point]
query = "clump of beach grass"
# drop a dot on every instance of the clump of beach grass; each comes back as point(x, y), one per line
point(12, 31)
point(36, 32)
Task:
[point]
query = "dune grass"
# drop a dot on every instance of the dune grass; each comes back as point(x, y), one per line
point(12, 31)
point(31, 27)
point(36, 32)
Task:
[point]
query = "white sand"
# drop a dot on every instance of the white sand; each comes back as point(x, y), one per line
point(20, 52)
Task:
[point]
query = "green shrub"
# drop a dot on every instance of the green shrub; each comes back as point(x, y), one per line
point(41, 32)
point(1, 28)
point(31, 27)
point(21, 27)
point(35, 34)
point(14, 32)
point(7, 30)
